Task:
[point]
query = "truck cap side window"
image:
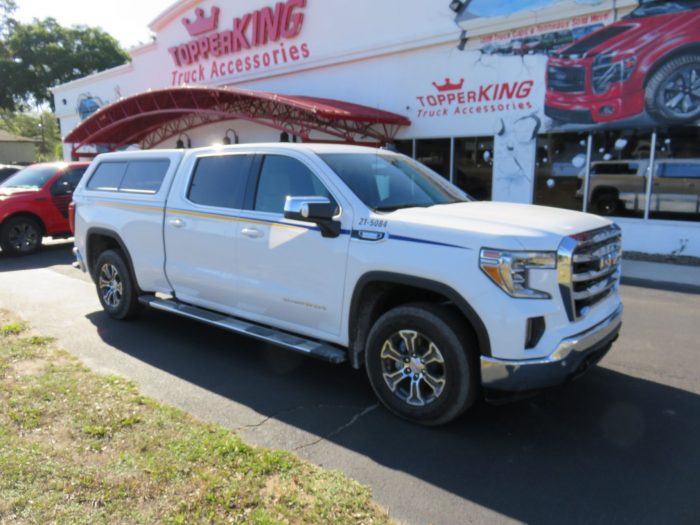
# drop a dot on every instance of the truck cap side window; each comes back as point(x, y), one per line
point(220, 180)
point(134, 176)
point(284, 176)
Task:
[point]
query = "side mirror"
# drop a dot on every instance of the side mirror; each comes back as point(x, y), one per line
point(319, 210)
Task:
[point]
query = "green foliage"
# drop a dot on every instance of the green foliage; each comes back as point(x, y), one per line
point(37, 56)
point(41, 126)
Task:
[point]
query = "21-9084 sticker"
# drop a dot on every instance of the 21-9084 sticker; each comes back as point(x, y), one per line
point(373, 223)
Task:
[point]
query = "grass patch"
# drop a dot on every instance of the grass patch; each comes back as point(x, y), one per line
point(76, 447)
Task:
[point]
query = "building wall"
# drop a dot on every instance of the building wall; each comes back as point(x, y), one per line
point(17, 152)
point(474, 84)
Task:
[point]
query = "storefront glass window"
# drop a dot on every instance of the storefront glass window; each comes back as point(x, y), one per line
point(676, 185)
point(560, 167)
point(404, 146)
point(619, 169)
point(435, 153)
point(473, 166)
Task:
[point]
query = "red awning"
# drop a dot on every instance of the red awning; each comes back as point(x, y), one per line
point(150, 118)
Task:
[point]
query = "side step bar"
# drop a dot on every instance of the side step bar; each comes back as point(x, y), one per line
point(233, 324)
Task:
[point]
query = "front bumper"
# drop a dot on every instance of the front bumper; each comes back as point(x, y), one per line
point(572, 357)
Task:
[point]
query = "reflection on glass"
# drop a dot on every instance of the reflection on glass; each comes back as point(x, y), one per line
point(676, 185)
point(404, 146)
point(560, 169)
point(619, 167)
point(474, 166)
point(435, 153)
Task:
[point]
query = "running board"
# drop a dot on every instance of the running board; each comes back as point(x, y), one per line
point(233, 324)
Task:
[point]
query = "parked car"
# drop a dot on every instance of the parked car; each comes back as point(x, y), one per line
point(649, 60)
point(6, 170)
point(353, 254)
point(34, 203)
point(619, 187)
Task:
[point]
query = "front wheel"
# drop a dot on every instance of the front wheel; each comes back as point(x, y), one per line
point(422, 363)
point(672, 94)
point(20, 236)
point(116, 288)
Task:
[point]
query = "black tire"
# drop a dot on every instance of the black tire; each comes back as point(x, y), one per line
point(670, 94)
point(388, 360)
point(115, 285)
point(21, 236)
point(606, 204)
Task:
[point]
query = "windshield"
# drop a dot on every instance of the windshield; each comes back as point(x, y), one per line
point(31, 178)
point(661, 7)
point(389, 182)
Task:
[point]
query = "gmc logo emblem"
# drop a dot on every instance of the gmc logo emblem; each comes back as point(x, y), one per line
point(609, 260)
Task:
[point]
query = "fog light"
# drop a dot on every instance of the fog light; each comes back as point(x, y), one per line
point(607, 110)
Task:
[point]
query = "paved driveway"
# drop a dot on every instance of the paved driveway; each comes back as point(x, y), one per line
point(618, 446)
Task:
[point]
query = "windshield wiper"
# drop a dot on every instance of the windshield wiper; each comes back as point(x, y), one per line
point(395, 207)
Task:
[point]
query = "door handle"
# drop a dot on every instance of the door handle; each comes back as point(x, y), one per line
point(253, 233)
point(177, 223)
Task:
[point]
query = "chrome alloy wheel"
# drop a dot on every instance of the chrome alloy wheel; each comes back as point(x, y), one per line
point(110, 283)
point(413, 368)
point(24, 236)
point(681, 92)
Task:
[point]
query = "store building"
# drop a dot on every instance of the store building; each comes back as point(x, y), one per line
point(584, 104)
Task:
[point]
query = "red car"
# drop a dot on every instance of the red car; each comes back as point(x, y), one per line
point(649, 60)
point(34, 203)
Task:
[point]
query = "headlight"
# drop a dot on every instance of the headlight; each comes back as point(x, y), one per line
point(510, 270)
point(612, 67)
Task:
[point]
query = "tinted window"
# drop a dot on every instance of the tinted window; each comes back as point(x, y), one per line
point(679, 170)
point(283, 176)
point(615, 168)
point(387, 183)
point(220, 181)
point(67, 182)
point(144, 176)
point(107, 176)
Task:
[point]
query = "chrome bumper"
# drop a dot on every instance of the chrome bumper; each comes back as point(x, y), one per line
point(573, 356)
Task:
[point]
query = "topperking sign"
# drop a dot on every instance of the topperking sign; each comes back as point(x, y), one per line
point(256, 40)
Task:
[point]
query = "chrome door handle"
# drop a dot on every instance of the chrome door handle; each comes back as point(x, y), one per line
point(253, 233)
point(177, 223)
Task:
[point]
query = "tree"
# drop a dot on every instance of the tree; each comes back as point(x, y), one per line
point(41, 126)
point(7, 7)
point(43, 54)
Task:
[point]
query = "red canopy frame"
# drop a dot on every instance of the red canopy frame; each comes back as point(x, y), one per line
point(154, 116)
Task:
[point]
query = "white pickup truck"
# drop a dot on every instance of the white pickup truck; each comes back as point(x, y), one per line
point(355, 254)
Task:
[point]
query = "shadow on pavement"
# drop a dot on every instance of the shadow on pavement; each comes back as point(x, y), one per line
point(609, 448)
point(54, 254)
point(663, 286)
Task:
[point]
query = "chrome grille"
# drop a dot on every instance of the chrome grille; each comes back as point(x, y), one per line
point(589, 268)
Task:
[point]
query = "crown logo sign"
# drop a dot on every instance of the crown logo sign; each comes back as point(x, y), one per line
point(202, 24)
point(449, 86)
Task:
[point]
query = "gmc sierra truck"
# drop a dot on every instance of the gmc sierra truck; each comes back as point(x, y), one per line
point(355, 254)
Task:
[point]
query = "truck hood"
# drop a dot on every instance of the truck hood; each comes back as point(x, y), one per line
point(631, 35)
point(494, 224)
point(6, 193)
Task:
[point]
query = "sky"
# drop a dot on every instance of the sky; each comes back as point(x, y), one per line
point(126, 20)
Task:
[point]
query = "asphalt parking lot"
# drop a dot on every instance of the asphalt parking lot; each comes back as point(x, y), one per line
point(620, 445)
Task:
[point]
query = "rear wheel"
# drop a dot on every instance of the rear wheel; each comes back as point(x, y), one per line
point(20, 236)
point(116, 288)
point(606, 204)
point(421, 363)
point(673, 92)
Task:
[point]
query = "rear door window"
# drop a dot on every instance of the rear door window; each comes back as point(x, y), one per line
point(220, 181)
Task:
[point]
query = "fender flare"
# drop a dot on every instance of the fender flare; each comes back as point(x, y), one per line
point(103, 232)
point(355, 348)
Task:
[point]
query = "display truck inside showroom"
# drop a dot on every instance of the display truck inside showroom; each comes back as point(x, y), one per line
point(359, 255)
